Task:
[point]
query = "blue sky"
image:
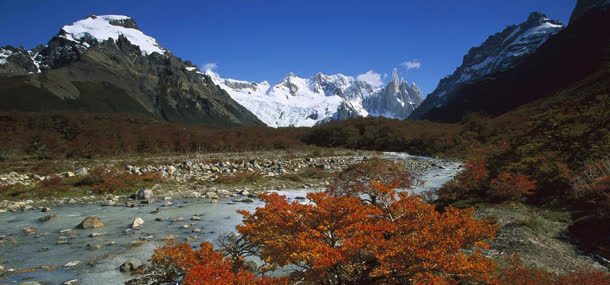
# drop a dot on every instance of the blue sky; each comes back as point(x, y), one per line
point(264, 40)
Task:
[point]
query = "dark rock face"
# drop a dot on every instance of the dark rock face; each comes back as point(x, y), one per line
point(584, 6)
point(126, 23)
point(112, 76)
point(18, 61)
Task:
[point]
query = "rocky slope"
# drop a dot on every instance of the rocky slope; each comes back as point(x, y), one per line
point(106, 64)
point(297, 101)
point(500, 52)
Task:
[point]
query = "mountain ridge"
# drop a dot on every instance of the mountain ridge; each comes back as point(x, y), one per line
point(296, 101)
point(499, 52)
point(565, 58)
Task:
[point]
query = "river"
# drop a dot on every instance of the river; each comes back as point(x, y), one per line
point(43, 256)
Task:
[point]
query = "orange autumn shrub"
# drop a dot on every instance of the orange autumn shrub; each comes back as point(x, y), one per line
point(518, 274)
point(346, 240)
point(204, 266)
point(510, 187)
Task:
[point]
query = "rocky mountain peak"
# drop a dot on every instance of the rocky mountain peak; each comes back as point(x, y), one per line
point(395, 78)
point(536, 17)
point(120, 21)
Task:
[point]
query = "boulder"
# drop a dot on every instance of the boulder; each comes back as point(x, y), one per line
point(94, 246)
point(137, 222)
point(144, 194)
point(130, 265)
point(245, 200)
point(82, 171)
point(47, 218)
point(171, 170)
point(90, 222)
point(72, 263)
point(92, 235)
point(30, 230)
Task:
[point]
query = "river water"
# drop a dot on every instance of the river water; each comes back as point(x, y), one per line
point(57, 243)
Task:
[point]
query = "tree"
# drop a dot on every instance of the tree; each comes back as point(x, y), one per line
point(357, 179)
point(341, 239)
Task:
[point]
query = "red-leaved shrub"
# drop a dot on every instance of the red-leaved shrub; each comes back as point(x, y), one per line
point(510, 187)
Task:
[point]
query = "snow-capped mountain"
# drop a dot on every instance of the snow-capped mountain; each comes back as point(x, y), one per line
point(107, 64)
point(296, 101)
point(397, 100)
point(500, 52)
point(74, 40)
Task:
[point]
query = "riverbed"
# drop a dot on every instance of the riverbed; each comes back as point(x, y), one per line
point(57, 252)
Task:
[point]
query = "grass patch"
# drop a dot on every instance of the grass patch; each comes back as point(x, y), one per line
point(240, 178)
point(306, 175)
point(533, 221)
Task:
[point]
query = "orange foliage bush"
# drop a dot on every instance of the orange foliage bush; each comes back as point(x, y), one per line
point(518, 274)
point(345, 240)
point(204, 266)
point(510, 187)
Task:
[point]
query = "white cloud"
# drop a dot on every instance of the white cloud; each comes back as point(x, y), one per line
point(211, 66)
point(411, 64)
point(371, 77)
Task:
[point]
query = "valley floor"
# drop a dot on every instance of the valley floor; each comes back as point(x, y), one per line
point(194, 198)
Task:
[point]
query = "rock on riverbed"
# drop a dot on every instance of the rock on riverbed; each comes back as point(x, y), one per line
point(137, 222)
point(90, 222)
